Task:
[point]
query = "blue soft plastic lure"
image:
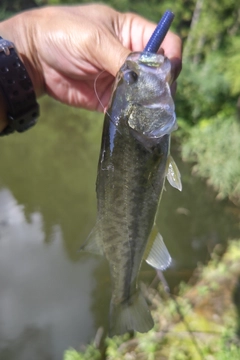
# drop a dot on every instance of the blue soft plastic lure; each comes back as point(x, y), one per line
point(160, 32)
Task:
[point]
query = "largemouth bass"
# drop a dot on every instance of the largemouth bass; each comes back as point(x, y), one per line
point(133, 164)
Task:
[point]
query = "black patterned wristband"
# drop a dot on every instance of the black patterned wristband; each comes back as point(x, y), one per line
point(17, 89)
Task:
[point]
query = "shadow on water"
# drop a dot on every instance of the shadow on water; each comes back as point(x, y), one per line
point(53, 297)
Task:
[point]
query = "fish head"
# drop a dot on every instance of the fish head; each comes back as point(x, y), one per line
point(143, 84)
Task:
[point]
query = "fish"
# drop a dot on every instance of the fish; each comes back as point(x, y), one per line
point(133, 164)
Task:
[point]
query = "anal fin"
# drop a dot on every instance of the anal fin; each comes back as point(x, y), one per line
point(156, 253)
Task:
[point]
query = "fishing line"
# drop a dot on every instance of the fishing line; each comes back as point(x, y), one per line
point(166, 287)
point(98, 97)
point(95, 90)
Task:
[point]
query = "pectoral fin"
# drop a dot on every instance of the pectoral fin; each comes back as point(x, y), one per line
point(173, 174)
point(156, 253)
point(93, 244)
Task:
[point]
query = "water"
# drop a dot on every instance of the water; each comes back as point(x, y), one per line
point(51, 296)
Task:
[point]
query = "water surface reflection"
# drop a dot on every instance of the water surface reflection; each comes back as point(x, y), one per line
point(51, 296)
point(41, 289)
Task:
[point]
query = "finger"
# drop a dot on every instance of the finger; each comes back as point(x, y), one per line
point(137, 32)
point(172, 46)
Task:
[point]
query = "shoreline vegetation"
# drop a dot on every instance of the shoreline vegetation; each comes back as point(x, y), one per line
point(200, 322)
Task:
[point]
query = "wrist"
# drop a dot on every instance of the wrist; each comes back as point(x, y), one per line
point(19, 30)
point(17, 89)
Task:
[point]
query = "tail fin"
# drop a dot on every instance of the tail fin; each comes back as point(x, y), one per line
point(133, 314)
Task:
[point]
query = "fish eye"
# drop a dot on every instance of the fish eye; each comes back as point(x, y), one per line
point(130, 77)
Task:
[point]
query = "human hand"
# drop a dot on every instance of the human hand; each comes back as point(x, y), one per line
point(65, 48)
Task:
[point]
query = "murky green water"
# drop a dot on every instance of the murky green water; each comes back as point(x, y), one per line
point(51, 296)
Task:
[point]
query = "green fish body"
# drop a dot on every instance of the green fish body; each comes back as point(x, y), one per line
point(133, 164)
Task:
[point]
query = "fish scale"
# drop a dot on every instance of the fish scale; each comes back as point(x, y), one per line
point(130, 160)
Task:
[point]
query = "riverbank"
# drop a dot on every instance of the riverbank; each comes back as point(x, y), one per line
point(201, 322)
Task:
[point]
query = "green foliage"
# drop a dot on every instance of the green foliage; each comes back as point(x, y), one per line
point(208, 90)
point(91, 353)
point(229, 347)
point(202, 90)
point(212, 23)
point(215, 147)
point(72, 355)
point(232, 65)
point(9, 8)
